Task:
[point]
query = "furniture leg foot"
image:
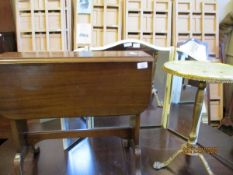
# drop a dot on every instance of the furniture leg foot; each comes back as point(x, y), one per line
point(137, 156)
point(137, 150)
point(36, 150)
point(135, 147)
point(159, 165)
point(126, 143)
point(206, 165)
point(18, 164)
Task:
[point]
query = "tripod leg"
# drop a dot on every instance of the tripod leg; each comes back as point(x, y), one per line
point(207, 167)
point(18, 164)
point(159, 165)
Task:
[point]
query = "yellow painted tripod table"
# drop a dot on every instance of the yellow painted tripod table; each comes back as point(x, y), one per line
point(203, 72)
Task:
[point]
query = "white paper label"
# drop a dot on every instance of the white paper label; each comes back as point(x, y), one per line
point(136, 45)
point(83, 33)
point(128, 45)
point(142, 65)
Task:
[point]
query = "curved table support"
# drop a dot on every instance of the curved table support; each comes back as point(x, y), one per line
point(193, 136)
point(203, 72)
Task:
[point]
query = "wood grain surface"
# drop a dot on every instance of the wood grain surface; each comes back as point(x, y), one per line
point(50, 89)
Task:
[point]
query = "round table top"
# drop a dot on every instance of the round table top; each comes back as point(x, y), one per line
point(202, 71)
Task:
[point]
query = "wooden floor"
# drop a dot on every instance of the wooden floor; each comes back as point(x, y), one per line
point(107, 156)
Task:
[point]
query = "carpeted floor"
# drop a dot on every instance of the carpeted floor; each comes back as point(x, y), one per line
point(2, 141)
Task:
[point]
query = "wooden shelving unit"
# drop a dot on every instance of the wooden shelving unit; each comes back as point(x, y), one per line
point(104, 20)
point(43, 25)
point(215, 102)
point(196, 19)
point(148, 20)
point(199, 19)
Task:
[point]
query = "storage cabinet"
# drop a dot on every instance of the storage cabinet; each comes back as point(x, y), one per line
point(196, 19)
point(161, 23)
point(212, 42)
point(210, 7)
point(54, 4)
point(24, 4)
point(104, 22)
point(147, 38)
point(216, 91)
point(210, 24)
point(111, 36)
point(199, 19)
point(184, 24)
point(98, 2)
point(196, 23)
point(215, 102)
point(26, 41)
point(40, 42)
point(25, 22)
point(162, 40)
point(147, 23)
point(215, 111)
point(197, 36)
point(147, 5)
point(134, 5)
point(54, 21)
point(162, 6)
point(55, 40)
point(113, 2)
point(98, 19)
point(134, 22)
point(112, 17)
point(148, 20)
point(97, 37)
point(40, 23)
point(134, 36)
point(183, 37)
point(184, 6)
point(39, 5)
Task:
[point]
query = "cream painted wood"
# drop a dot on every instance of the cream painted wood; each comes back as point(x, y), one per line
point(39, 18)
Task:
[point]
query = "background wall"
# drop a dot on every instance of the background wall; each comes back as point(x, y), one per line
point(6, 17)
point(224, 7)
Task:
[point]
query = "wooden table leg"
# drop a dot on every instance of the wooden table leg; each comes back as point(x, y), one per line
point(136, 132)
point(19, 127)
point(18, 164)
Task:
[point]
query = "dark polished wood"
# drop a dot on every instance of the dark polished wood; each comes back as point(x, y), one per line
point(58, 85)
point(98, 85)
point(106, 155)
point(180, 121)
point(36, 137)
point(73, 57)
